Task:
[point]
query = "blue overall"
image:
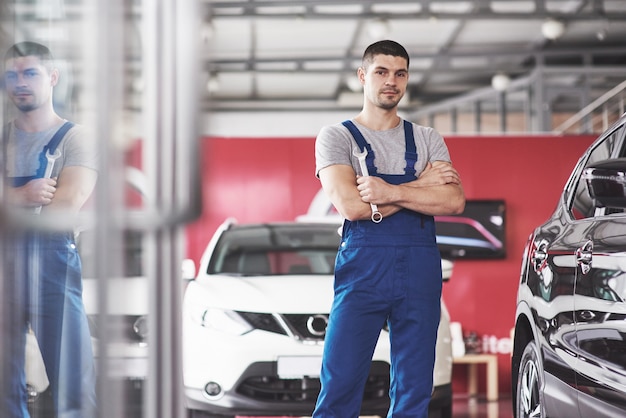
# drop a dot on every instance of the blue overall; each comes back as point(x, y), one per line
point(45, 271)
point(386, 272)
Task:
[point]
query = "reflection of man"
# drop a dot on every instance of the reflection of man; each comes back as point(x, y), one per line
point(45, 269)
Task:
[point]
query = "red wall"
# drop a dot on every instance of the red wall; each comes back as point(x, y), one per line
point(268, 179)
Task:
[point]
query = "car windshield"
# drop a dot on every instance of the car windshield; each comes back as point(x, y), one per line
point(287, 249)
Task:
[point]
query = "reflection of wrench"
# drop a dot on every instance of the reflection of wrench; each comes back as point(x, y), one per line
point(376, 215)
point(49, 166)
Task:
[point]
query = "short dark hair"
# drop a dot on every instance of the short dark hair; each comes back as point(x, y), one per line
point(385, 47)
point(28, 48)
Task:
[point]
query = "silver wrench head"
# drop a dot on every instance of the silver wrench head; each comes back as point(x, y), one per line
point(358, 154)
point(362, 163)
point(52, 157)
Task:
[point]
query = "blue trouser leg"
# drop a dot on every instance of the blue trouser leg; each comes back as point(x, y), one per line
point(14, 396)
point(13, 319)
point(413, 324)
point(60, 324)
point(354, 326)
point(14, 400)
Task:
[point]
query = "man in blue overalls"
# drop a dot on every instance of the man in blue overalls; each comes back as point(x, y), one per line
point(389, 270)
point(42, 269)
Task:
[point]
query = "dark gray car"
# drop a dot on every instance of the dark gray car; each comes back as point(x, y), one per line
point(569, 355)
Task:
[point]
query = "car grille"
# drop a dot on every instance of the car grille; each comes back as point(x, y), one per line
point(260, 382)
point(264, 322)
point(303, 327)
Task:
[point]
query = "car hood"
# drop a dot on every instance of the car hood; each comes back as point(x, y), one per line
point(284, 294)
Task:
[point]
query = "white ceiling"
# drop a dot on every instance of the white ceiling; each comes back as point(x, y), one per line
point(283, 54)
point(302, 55)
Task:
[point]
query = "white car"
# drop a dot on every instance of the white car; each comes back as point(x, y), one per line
point(254, 320)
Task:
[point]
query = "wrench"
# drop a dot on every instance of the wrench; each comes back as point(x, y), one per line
point(49, 166)
point(376, 215)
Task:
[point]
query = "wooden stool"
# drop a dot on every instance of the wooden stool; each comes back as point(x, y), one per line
point(489, 360)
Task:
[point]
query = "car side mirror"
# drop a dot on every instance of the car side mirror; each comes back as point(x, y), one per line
point(606, 182)
point(188, 269)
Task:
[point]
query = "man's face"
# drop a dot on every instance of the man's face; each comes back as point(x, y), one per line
point(385, 80)
point(28, 82)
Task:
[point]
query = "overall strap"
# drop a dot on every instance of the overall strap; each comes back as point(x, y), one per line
point(410, 154)
point(363, 144)
point(51, 147)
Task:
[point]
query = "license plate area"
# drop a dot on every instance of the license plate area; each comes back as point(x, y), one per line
point(297, 367)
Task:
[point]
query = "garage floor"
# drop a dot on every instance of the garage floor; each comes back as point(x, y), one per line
point(465, 407)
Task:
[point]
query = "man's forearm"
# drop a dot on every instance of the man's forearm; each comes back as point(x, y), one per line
point(446, 199)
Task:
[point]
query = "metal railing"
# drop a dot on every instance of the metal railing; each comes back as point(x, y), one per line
point(598, 115)
point(549, 100)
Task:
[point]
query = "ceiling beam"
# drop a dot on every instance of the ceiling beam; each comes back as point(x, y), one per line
point(244, 65)
point(331, 9)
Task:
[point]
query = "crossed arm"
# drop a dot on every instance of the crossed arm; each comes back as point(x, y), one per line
point(69, 193)
point(437, 191)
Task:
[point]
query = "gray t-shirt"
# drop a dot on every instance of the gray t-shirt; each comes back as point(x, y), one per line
point(335, 144)
point(23, 149)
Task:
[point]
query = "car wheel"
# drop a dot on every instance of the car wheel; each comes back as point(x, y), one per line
point(528, 402)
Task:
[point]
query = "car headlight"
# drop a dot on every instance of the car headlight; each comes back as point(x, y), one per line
point(226, 321)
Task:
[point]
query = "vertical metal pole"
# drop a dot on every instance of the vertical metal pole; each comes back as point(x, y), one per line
point(477, 117)
point(502, 111)
point(102, 80)
point(527, 112)
point(171, 39)
point(6, 315)
point(543, 115)
point(586, 94)
point(454, 119)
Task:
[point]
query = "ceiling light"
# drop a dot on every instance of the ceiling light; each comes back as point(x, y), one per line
point(378, 29)
point(500, 82)
point(552, 29)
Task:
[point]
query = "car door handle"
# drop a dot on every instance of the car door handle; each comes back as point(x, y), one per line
point(584, 256)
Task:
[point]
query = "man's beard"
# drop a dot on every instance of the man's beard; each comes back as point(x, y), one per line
point(387, 104)
point(26, 107)
point(27, 103)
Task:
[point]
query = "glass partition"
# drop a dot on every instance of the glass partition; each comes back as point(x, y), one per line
point(90, 227)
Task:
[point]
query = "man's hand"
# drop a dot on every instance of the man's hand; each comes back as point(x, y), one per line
point(374, 190)
point(37, 192)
